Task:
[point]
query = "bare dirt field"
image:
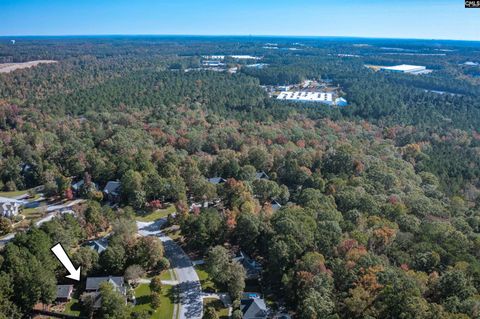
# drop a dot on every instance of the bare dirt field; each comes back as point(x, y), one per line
point(10, 67)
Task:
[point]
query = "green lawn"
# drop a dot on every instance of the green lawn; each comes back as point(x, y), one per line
point(220, 309)
point(142, 294)
point(32, 213)
point(73, 308)
point(166, 275)
point(160, 213)
point(13, 194)
point(205, 279)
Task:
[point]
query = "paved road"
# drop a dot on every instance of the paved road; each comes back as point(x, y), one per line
point(191, 303)
point(52, 209)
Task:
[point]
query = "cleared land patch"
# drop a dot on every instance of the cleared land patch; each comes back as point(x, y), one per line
point(10, 67)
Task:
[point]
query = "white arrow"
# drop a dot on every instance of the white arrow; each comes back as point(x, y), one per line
point(66, 262)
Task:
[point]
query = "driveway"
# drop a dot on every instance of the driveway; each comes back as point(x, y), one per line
point(52, 213)
point(190, 290)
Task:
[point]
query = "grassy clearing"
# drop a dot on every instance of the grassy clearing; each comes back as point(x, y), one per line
point(13, 194)
point(166, 275)
point(156, 215)
point(220, 309)
point(174, 233)
point(205, 279)
point(73, 308)
point(142, 294)
point(32, 213)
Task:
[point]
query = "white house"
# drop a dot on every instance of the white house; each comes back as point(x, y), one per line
point(9, 207)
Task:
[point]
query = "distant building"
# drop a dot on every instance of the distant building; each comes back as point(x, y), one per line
point(214, 57)
point(405, 68)
point(9, 207)
point(112, 191)
point(64, 293)
point(79, 185)
point(252, 268)
point(275, 205)
point(245, 57)
point(217, 180)
point(254, 308)
point(341, 102)
point(261, 175)
point(256, 65)
point(99, 245)
point(213, 64)
point(322, 97)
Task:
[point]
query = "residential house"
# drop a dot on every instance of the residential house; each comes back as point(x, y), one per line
point(78, 186)
point(275, 205)
point(254, 308)
point(217, 180)
point(93, 286)
point(113, 191)
point(64, 293)
point(261, 175)
point(9, 207)
point(253, 268)
point(99, 245)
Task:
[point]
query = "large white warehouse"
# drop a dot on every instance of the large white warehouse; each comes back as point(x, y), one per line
point(405, 68)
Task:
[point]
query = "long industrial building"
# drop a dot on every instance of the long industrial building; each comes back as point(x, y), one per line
point(405, 68)
point(321, 97)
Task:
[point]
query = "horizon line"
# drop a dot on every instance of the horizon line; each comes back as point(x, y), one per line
point(231, 35)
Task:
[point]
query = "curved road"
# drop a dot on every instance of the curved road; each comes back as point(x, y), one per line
point(191, 303)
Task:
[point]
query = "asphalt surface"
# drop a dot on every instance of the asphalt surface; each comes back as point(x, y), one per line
point(52, 213)
point(190, 289)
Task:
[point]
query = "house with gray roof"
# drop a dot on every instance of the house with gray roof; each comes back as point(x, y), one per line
point(275, 205)
point(261, 175)
point(252, 268)
point(99, 245)
point(113, 191)
point(217, 180)
point(254, 308)
point(93, 285)
point(64, 293)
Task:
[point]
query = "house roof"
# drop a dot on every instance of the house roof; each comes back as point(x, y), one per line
point(76, 186)
point(276, 205)
point(93, 283)
point(10, 200)
point(98, 245)
point(216, 180)
point(254, 308)
point(113, 188)
point(261, 175)
point(64, 291)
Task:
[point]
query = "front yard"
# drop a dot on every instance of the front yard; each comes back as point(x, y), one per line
point(13, 194)
point(73, 308)
point(156, 215)
point(206, 280)
point(143, 302)
point(220, 309)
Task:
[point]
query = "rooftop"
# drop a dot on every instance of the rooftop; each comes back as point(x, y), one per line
point(306, 96)
point(64, 291)
point(404, 68)
point(93, 283)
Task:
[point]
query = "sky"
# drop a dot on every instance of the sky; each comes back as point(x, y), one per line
point(424, 19)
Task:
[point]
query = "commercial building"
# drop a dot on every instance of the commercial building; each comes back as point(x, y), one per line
point(323, 97)
point(405, 68)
